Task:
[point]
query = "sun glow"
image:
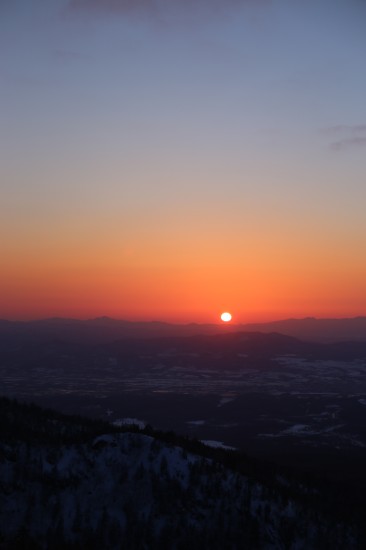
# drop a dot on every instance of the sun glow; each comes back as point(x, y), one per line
point(226, 317)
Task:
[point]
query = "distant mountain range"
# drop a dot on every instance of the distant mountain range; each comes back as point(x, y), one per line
point(104, 329)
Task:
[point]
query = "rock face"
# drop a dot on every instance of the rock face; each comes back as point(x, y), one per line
point(66, 484)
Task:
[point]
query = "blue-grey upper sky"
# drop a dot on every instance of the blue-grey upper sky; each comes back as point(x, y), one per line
point(142, 123)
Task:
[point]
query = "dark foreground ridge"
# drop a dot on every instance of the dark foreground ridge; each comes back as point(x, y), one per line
point(71, 482)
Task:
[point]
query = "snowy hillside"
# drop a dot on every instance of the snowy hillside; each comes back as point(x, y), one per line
point(63, 486)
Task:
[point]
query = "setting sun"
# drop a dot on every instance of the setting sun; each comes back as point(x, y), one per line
point(226, 317)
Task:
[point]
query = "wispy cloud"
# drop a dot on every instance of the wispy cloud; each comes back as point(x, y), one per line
point(348, 136)
point(113, 6)
point(158, 8)
point(347, 143)
point(342, 128)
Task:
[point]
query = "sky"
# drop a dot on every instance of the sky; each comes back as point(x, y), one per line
point(173, 159)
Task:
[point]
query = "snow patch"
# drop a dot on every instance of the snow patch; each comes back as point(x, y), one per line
point(217, 444)
point(225, 400)
point(129, 422)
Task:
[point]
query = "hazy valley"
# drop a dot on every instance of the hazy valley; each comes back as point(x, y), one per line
point(266, 394)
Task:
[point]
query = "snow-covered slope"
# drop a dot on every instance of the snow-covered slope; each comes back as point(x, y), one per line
point(132, 490)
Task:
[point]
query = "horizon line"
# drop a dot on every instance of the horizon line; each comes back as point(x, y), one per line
point(158, 321)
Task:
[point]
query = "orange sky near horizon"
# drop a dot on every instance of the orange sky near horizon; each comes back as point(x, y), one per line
point(186, 280)
point(176, 164)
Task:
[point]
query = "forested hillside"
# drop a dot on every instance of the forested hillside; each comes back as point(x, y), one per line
point(69, 482)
